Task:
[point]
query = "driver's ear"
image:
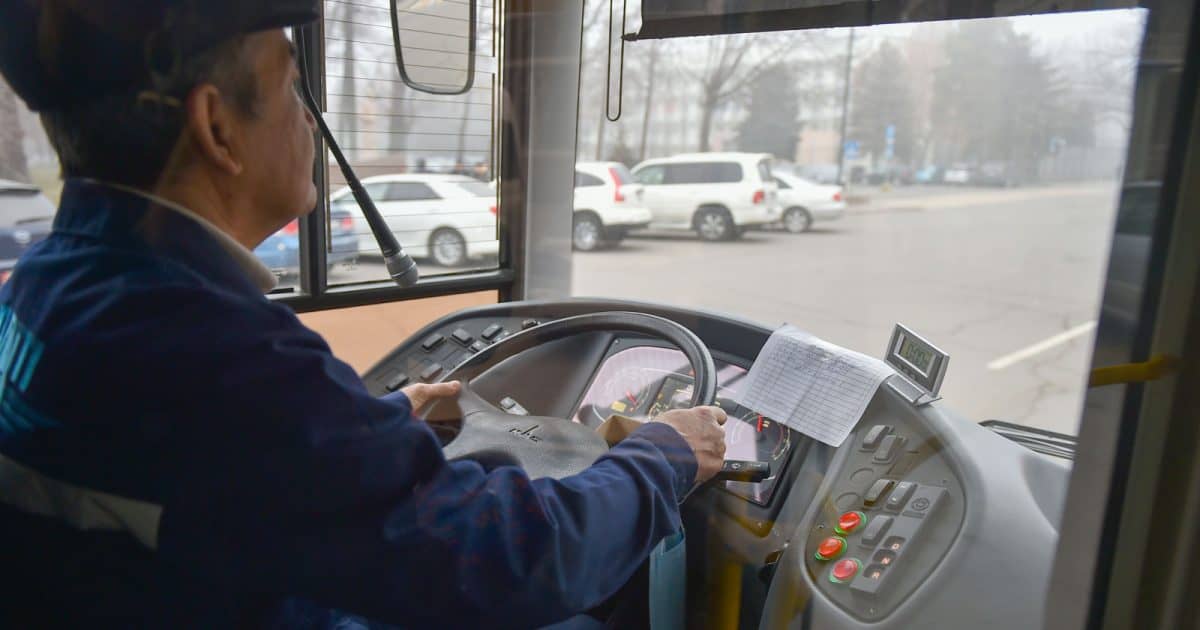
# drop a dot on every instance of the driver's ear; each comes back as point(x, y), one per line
point(212, 127)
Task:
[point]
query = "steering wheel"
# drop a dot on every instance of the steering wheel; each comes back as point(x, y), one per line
point(557, 447)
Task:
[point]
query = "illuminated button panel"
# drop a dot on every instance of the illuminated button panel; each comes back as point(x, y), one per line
point(898, 506)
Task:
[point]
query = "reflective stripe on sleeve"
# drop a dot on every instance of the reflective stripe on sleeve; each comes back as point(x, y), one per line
point(28, 490)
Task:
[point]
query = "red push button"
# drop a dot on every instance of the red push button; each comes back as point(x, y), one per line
point(830, 548)
point(849, 522)
point(844, 571)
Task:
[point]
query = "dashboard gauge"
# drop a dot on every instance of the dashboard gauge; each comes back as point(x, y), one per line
point(773, 438)
point(642, 382)
point(751, 436)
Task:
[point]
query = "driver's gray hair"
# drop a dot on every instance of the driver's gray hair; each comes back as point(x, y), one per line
point(127, 137)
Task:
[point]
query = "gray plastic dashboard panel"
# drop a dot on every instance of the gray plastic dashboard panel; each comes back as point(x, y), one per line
point(1003, 501)
point(995, 571)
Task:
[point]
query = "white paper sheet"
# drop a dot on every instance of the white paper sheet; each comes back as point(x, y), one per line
point(811, 385)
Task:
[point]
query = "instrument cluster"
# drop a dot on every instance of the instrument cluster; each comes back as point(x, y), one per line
point(641, 382)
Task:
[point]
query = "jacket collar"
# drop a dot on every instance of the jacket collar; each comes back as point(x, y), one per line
point(119, 214)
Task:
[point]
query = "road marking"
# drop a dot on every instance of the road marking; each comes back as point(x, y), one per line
point(1041, 346)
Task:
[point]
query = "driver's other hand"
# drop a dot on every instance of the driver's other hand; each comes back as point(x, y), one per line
point(421, 394)
point(701, 428)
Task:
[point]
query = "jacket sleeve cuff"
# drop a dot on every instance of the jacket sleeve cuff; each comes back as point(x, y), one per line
point(675, 450)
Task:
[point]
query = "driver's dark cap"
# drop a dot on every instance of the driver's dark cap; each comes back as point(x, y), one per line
point(57, 54)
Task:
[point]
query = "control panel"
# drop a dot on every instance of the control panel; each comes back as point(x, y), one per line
point(441, 351)
point(893, 511)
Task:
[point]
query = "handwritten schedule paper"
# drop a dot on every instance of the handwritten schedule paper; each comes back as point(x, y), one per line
point(811, 385)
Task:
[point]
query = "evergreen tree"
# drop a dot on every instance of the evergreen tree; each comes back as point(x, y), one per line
point(771, 124)
point(881, 96)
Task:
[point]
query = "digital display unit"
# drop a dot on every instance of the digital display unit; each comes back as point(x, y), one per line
point(917, 360)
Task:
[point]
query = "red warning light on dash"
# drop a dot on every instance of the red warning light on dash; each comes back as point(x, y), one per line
point(830, 548)
point(849, 522)
point(844, 571)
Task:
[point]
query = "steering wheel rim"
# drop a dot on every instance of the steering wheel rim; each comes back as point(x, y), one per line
point(557, 447)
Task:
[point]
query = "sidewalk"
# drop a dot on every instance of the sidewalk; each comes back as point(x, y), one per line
point(873, 199)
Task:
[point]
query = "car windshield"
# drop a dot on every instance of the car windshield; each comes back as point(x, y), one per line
point(980, 160)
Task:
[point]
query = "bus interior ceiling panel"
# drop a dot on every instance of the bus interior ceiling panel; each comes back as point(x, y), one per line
point(958, 522)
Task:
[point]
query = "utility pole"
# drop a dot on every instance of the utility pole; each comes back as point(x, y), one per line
point(845, 106)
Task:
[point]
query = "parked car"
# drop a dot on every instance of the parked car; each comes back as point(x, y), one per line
point(957, 174)
point(819, 173)
point(719, 195)
point(929, 175)
point(281, 251)
point(893, 174)
point(26, 216)
point(804, 202)
point(448, 219)
point(999, 173)
point(607, 205)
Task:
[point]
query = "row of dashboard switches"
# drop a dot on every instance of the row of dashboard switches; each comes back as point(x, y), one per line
point(886, 445)
point(430, 370)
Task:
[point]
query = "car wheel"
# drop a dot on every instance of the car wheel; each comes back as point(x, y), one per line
point(797, 220)
point(448, 248)
point(715, 224)
point(587, 234)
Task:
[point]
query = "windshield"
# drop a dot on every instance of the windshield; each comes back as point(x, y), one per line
point(980, 162)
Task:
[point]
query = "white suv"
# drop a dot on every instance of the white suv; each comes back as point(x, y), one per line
point(719, 195)
point(607, 205)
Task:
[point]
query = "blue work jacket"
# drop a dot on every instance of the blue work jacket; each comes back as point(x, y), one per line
point(177, 450)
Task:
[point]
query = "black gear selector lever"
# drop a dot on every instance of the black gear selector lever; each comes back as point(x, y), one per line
point(740, 470)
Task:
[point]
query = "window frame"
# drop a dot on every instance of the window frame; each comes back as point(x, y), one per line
point(313, 292)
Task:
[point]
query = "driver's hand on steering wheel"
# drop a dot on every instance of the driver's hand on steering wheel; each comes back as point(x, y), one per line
point(701, 429)
point(422, 394)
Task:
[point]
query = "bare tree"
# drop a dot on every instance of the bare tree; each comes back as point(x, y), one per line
point(12, 137)
point(348, 108)
point(731, 65)
point(399, 113)
point(655, 51)
point(595, 47)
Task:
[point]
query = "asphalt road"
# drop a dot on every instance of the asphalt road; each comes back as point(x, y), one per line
point(1007, 282)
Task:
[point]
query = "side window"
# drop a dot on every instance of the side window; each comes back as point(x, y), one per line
point(688, 173)
point(410, 191)
point(650, 176)
point(583, 179)
point(377, 192)
point(782, 184)
point(725, 172)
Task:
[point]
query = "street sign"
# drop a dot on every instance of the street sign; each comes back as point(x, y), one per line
point(851, 149)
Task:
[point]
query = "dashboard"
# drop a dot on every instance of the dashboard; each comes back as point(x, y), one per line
point(642, 381)
point(919, 519)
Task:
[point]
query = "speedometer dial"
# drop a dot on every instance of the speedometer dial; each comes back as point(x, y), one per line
point(752, 436)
